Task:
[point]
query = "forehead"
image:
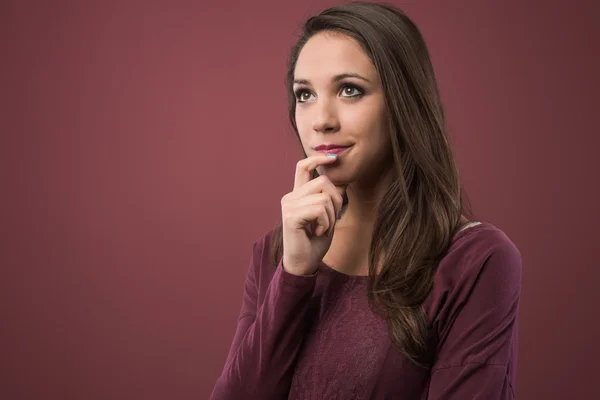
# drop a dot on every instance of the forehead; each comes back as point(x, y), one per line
point(327, 54)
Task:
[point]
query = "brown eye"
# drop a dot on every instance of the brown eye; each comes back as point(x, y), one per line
point(351, 91)
point(303, 96)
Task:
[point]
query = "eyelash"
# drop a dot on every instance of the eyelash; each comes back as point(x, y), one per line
point(298, 93)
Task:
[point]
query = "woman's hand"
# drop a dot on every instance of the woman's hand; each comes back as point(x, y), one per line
point(309, 214)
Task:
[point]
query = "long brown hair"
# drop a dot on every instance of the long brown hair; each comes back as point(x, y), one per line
point(422, 207)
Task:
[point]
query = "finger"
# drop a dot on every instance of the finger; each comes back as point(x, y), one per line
point(341, 189)
point(305, 166)
point(322, 184)
point(304, 205)
point(314, 216)
point(331, 217)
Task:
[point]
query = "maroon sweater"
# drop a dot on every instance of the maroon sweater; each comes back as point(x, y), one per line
point(315, 337)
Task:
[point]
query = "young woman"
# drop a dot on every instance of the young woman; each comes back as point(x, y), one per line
point(377, 285)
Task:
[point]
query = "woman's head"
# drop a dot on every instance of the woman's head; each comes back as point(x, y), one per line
point(396, 116)
point(339, 100)
point(392, 120)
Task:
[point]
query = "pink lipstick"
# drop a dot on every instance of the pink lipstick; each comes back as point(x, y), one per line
point(331, 148)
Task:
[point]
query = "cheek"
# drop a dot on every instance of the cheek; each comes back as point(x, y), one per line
point(366, 124)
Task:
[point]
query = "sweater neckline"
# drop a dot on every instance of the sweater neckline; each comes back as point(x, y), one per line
point(467, 229)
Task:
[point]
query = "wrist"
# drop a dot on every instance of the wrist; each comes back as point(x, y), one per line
point(298, 270)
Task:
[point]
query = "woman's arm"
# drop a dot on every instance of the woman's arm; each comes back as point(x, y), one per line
point(268, 335)
point(474, 357)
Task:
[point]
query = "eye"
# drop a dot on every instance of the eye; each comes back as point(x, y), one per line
point(351, 91)
point(302, 95)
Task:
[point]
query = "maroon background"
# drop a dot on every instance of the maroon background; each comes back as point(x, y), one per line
point(144, 147)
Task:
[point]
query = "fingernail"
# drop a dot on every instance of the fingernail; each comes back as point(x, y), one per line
point(331, 155)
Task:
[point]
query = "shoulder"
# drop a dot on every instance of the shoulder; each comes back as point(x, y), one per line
point(484, 236)
point(262, 268)
point(482, 257)
point(476, 247)
point(262, 247)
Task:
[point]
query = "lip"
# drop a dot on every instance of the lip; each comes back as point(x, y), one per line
point(332, 148)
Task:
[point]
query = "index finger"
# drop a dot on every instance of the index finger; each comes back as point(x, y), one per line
point(305, 166)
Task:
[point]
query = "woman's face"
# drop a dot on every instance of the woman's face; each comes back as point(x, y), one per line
point(340, 102)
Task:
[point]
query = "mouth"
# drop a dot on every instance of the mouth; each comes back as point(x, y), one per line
point(332, 149)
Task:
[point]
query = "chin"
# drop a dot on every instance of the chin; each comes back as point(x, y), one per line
point(337, 175)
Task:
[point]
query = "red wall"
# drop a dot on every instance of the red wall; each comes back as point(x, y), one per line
point(144, 147)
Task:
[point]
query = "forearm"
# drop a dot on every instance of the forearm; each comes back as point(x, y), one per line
point(265, 349)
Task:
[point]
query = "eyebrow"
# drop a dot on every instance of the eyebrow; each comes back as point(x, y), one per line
point(336, 78)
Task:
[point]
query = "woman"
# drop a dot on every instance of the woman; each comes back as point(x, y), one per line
point(376, 285)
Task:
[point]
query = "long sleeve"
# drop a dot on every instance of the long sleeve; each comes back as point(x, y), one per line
point(473, 357)
point(268, 336)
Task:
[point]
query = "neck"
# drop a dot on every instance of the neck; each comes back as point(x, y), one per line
point(363, 200)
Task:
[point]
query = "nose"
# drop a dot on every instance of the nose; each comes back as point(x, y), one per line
point(325, 119)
